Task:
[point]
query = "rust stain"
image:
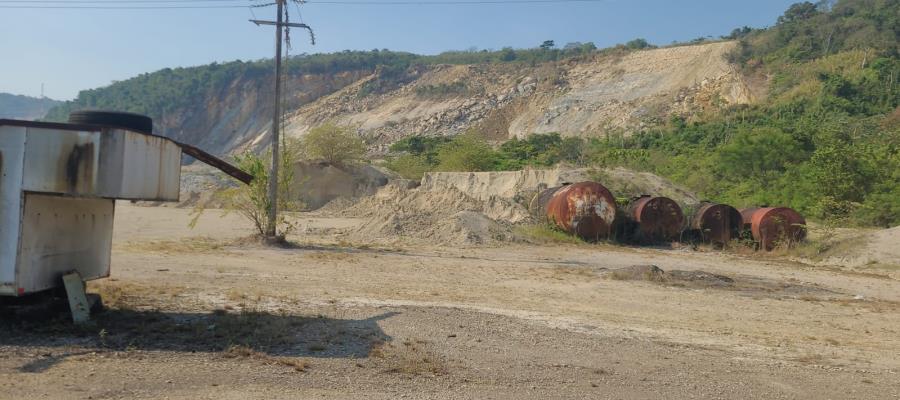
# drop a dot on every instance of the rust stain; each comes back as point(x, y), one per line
point(774, 226)
point(717, 223)
point(658, 219)
point(79, 168)
point(586, 209)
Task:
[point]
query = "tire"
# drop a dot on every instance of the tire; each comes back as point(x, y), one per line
point(114, 119)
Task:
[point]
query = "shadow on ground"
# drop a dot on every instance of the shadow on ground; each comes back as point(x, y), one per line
point(279, 335)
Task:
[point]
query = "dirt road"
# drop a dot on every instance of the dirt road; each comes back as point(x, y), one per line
point(197, 314)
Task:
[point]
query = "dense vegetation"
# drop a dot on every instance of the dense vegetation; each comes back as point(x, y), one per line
point(826, 141)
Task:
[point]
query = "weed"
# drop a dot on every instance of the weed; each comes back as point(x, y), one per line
point(412, 358)
point(238, 351)
point(184, 245)
point(545, 234)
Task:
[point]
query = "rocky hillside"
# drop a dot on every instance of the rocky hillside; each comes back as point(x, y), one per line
point(387, 95)
point(24, 107)
point(613, 92)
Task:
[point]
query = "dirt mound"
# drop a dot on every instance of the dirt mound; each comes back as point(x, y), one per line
point(623, 182)
point(520, 186)
point(746, 285)
point(879, 248)
point(447, 216)
point(317, 183)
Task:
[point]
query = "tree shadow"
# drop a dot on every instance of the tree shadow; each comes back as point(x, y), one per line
point(259, 332)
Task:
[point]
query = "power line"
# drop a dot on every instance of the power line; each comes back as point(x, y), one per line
point(116, 1)
point(66, 3)
point(119, 7)
point(445, 2)
point(192, 4)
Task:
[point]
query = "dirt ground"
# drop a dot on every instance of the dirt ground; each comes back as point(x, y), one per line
point(202, 314)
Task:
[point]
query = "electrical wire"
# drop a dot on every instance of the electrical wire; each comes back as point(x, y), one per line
point(118, 1)
point(445, 2)
point(117, 7)
point(187, 3)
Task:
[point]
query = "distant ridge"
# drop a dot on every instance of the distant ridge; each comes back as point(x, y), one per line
point(24, 107)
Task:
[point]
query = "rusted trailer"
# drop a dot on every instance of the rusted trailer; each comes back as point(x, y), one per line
point(774, 226)
point(715, 223)
point(654, 219)
point(58, 185)
point(585, 209)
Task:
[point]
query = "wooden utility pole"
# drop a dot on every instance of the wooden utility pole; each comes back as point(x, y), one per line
point(271, 230)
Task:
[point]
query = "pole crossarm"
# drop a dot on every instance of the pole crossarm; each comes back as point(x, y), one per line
point(291, 24)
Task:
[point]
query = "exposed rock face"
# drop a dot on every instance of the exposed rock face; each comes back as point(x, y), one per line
point(232, 119)
point(610, 93)
point(593, 96)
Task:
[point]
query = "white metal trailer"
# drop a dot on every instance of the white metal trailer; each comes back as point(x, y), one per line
point(58, 186)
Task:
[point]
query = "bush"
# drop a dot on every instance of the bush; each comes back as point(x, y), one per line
point(410, 166)
point(638, 44)
point(252, 200)
point(334, 144)
point(466, 152)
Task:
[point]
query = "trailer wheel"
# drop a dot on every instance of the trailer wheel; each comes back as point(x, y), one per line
point(114, 119)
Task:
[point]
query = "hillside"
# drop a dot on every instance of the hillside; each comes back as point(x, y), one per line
point(620, 91)
point(803, 114)
point(24, 107)
point(389, 96)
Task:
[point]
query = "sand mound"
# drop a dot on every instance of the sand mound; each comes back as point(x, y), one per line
point(520, 186)
point(447, 216)
point(875, 248)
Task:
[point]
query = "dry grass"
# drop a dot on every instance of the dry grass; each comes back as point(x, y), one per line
point(337, 256)
point(812, 359)
point(574, 272)
point(198, 244)
point(410, 357)
point(238, 351)
point(123, 295)
point(544, 234)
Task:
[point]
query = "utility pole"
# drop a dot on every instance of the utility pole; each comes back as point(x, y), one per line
point(43, 103)
point(271, 230)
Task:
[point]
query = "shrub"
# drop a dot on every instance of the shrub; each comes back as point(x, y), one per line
point(466, 152)
point(410, 166)
point(334, 144)
point(252, 200)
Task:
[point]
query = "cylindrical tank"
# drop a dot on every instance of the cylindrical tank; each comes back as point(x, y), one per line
point(657, 219)
point(538, 205)
point(716, 223)
point(586, 209)
point(772, 226)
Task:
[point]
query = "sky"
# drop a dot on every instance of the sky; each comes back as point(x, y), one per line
point(68, 50)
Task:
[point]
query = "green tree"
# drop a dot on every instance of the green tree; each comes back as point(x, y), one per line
point(466, 152)
point(798, 12)
point(637, 44)
point(334, 144)
point(758, 153)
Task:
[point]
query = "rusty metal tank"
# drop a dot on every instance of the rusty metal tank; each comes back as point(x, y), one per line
point(657, 219)
point(585, 209)
point(716, 223)
point(772, 226)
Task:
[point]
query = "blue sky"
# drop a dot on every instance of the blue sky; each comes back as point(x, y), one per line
point(75, 49)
